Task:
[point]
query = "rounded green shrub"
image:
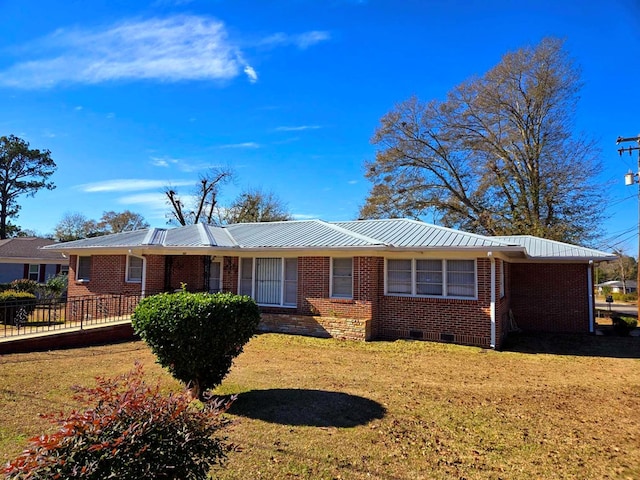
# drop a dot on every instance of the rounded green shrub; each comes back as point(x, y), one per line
point(130, 431)
point(196, 336)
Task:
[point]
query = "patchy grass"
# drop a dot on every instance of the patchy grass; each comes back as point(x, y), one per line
point(549, 407)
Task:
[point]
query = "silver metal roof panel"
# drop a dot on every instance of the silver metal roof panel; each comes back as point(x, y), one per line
point(295, 234)
point(542, 248)
point(401, 232)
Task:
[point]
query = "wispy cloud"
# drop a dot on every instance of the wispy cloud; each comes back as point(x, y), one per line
point(302, 40)
point(162, 49)
point(240, 145)
point(163, 161)
point(298, 128)
point(251, 74)
point(128, 185)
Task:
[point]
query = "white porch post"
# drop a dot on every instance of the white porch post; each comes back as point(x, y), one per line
point(493, 299)
point(592, 322)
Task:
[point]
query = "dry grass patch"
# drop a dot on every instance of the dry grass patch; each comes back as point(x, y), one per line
point(326, 409)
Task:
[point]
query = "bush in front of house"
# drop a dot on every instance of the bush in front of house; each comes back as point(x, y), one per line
point(129, 431)
point(14, 304)
point(25, 285)
point(196, 336)
point(623, 325)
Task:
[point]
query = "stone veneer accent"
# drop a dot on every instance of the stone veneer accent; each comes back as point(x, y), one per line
point(317, 326)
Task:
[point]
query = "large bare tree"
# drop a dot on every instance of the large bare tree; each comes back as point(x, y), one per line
point(201, 207)
point(499, 156)
point(256, 205)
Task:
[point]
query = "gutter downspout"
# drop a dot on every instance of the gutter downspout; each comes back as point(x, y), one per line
point(590, 295)
point(492, 308)
point(144, 276)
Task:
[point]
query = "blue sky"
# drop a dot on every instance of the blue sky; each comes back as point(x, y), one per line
point(131, 96)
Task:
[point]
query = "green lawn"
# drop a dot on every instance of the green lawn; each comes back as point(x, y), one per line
point(548, 407)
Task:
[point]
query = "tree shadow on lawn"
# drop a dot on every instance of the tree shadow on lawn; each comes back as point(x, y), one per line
point(573, 344)
point(313, 408)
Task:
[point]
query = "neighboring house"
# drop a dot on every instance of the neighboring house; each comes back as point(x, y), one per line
point(369, 279)
point(616, 286)
point(23, 257)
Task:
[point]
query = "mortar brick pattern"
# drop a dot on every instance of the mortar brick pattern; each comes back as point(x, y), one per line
point(543, 297)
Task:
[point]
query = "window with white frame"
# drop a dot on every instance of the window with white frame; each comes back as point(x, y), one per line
point(83, 269)
point(34, 272)
point(342, 277)
point(270, 281)
point(134, 269)
point(431, 278)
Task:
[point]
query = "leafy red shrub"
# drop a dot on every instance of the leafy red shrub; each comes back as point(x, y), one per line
point(133, 431)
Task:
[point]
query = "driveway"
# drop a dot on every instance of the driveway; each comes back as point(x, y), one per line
point(624, 308)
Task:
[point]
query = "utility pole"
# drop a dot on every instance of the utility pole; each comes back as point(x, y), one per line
point(629, 179)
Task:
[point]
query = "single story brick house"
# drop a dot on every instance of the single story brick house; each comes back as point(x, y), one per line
point(368, 279)
point(24, 258)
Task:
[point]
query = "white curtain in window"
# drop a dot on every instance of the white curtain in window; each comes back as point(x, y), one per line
point(429, 277)
point(246, 276)
point(399, 276)
point(290, 281)
point(342, 278)
point(461, 278)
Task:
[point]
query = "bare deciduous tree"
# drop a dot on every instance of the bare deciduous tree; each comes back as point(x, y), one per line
point(256, 205)
point(201, 208)
point(497, 157)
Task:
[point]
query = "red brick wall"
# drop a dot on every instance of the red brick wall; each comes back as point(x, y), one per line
point(230, 274)
point(548, 297)
point(155, 274)
point(441, 319)
point(107, 276)
point(543, 297)
point(313, 288)
point(187, 269)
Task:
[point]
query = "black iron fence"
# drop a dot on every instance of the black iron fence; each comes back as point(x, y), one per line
point(24, 317)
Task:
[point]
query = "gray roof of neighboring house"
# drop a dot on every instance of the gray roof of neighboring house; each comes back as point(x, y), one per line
point(29, 248)
point(388, 235)
point(618, 283)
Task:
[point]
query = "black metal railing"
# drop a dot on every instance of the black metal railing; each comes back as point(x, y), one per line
point(24, 317)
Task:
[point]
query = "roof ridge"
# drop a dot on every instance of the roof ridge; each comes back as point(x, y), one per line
point(205, 235)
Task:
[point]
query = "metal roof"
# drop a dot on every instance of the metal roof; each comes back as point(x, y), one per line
point(400, 232)
point(296, 234)
point(389, 235)
point(541, 248)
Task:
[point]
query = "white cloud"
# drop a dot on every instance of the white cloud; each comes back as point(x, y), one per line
point(241, 145)
point(352, 182)
point(128, 185)
point(297, 128)
point(251, 74)
point(170, 49)
point(163, 161)
point(302, 40)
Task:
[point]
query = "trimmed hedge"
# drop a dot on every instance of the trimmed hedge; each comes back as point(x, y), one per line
point(196, 336)
point(13, 303)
